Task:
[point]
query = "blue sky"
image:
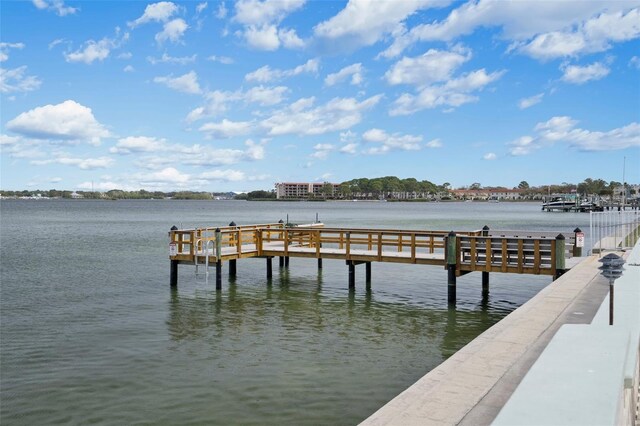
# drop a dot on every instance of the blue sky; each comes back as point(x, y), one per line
point(238, 95)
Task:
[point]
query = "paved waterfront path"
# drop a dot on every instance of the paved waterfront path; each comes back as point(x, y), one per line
point(471, 386)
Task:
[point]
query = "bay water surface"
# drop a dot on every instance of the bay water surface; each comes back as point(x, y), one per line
point(91, 333)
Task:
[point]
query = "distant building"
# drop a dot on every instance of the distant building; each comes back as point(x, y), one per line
point(74, 194)
point(302, 189)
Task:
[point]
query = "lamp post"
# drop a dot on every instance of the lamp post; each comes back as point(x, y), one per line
point(611, 268)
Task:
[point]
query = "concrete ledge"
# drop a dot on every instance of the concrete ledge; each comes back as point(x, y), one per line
point(448, 394)
point(576, 381)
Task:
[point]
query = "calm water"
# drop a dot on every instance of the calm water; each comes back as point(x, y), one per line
point(91, 333)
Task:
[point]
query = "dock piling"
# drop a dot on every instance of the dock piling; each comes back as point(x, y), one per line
point(174, 273)
point(451, 267)
point(269, 268)
point(173, 249)
point(232, 268)
point(218, 275)
point(577, 246)
point(485, 274)
point(281, 261)
point(352, 275)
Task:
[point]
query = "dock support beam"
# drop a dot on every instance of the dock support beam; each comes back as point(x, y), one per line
point(367, 269)
point(451, 267)
point(352, 276)
point(174, 273)
point(269, 268)
point(281, 261)
point(232, 268)
point(560, 258)
point(286, 261)
point(319, 263)
point(485, 274)
point(219, 275)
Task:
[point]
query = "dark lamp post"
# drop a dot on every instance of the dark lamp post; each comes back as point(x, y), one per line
point(611, 269)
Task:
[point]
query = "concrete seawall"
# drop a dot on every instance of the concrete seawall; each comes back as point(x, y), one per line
point(473, 385)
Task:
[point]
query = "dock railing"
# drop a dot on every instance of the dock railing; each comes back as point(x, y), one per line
point(614, 230)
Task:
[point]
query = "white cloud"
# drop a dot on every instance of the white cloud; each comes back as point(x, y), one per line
point(4, 49)
point(224, 175)
point(576, 74)
point(525, 103)
point(266, 96)
point(91, 51)
point(564, 129)
point(15, 80)
point(172, 31)
point(354, 71)
point(350, 148)
point(187, 83)
point(389, 142)
point(433, 66)
point(128, 68)
point(69, 121)
point(489, 156)
point(261, 19)
point(266, 74)
point(222, 11)
point(181, 60)
point(322, 150)
point(137, 144)
point(435, 143)
point(222, 59)
point(303, 119)
point(542, 30)
point(168, 175)
point(453, 93)
point(363, 23)
point(635, 62)
point(57, 6)
point(82, 163)
point(201, 6)
point(156, 12)
point(227, 129)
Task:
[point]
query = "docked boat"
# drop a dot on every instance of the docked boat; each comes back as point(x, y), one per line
point(561, 202)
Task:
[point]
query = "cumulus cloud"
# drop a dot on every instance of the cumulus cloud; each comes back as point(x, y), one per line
point(156, 12)
point(576, 74)
point(363, 23)
point(67, 121)
point(224, 175)
point(321, 151)
point(16, 80)
point(227, 129)
point(217, 102)
point(541, 30)
point(187, 83)
point(222, 59)
point(261, 18)
point(453, 93)
point(57, 6)
point(266, 74)
point(387, 142)
point(350, 148)
point(303, 118)
point(354, 71)
point(525, 103)
point(563, 129)
point(172, 31)
point(433, 66)
point(435, 143)
point(489, 156)
point(137, 144)
point(91, 51)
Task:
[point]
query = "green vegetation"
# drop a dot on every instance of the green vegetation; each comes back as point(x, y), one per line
point(257, 196)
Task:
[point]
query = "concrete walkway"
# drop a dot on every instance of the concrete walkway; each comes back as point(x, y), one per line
point(471, 386)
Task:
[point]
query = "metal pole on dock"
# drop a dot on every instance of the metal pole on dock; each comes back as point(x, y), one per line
point(451, 267)
point(485, 274)
point(560, 257)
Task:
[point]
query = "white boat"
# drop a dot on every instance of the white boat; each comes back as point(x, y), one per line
point(563, 202)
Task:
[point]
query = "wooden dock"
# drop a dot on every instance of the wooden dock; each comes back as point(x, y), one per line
point(539, 253)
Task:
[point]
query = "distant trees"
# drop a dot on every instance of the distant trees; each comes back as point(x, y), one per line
point(387, 186)
point(523, 185)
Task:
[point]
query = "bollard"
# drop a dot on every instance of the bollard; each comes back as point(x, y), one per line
point(579, 242)
point(560, 256)
point(451, 267)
